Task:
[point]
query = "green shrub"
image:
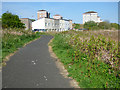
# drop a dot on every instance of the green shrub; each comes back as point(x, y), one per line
point(84, 59)
point(11, 42)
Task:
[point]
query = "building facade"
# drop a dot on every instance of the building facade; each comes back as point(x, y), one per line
point(43, 14)
point(91, 16)
point(57, 16)
point(27, 22)
point(57, 23)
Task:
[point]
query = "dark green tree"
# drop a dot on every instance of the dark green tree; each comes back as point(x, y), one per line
point(104, 25)
point(32, 20)
point(0, 23)
point(77, 26)
point(11, 21)
point(91, 25)
point(114, 25)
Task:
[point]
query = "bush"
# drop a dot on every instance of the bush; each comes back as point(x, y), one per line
point(115, 25)
point(104, 25)
point(91, 25)
point(77, 26)
point(85, 58)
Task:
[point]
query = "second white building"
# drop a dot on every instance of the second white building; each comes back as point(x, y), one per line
point(91, 16)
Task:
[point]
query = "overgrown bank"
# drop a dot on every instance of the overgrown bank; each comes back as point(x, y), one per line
point(13, 39)
point(83, 54)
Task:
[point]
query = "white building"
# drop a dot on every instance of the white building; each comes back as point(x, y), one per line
point(91, 16)
point(45, 23)
point(57, 16)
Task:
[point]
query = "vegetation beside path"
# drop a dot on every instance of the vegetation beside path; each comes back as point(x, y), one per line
point(91, 58)
point(13, 35)
point(15, 39)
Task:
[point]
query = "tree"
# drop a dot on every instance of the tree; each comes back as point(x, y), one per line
point(114, 25)
point(77, 26)
point(11, 21)
point(91, 25)
point(104, 25)
point(32, 20)
point(0, 23)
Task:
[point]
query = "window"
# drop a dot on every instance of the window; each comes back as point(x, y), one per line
point(52, 24)
point(45, 24)
point(48, 24)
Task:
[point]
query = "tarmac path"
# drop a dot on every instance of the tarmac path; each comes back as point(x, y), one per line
point(33, 67)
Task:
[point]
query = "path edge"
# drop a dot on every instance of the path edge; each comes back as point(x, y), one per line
point(60, 66)
point(6, 59)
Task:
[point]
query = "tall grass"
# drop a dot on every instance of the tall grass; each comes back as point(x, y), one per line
point(14, 39)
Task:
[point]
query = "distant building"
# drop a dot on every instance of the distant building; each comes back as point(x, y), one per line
point(91, 16)
point(45, 23)
point(27, 22)
point(57, 16)
point(43, 14)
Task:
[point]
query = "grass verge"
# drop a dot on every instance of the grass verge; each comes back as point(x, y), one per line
point(12, 42)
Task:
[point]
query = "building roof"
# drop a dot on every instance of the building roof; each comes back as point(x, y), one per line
point(24, 18)
point(70, 20)
point(90, 12)
point(41, 10)
point(57, 15)
point(59, 19)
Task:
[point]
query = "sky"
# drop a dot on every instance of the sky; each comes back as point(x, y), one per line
point(68, 10)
